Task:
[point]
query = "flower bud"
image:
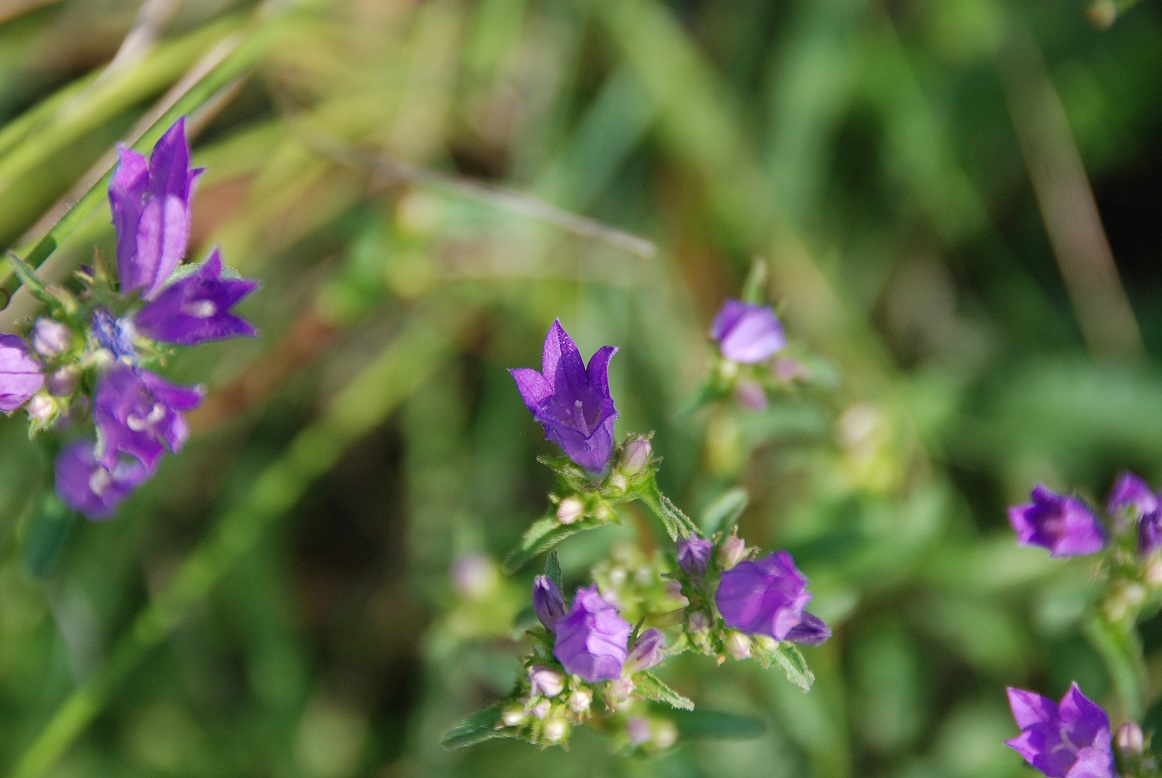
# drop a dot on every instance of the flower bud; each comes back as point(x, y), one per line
point(512, 716)
point(541, 709)
point(63, 381)
point(638, 730)
point(738, 645)
point(648, 650)
point(1129, 739)
point(580, 700)
point(620, 690)
point(1150, 532)
point(555, 730)
point(731, 552)
point(750, 394)
point(694, 554)
point(474, 576)
point(51, 338)
point(547, 601)
point(635, 456)
point(570, 510)
point(665, 735)
point(698, 621)
point(42, 407)
point(618, 482)
point(545, 681)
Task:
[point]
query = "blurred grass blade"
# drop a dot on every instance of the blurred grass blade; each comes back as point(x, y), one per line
point(723, 513)
point(480, 726)
point(714, 724)
point(1121, 650)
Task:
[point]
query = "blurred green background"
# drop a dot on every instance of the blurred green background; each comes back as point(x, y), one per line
point(958, 202)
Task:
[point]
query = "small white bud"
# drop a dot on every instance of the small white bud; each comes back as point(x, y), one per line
point(555, 730)
point(570, 510)
point(618, 482)
point(42, 407)
point(738, 645)
point(545, 681)
point(665, 735)
point(580, 700)
point(512, 716)
point(731, 552)
point(636, 456)
point(1129, 739)
point(541, 709)
point(698, 621)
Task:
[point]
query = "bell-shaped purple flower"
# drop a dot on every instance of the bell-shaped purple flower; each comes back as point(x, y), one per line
point(572, 401)
point(811, 631)
point(88, 487)
point(648, 651)
point(547, 601)
point(1130, 493)
point(694, 554)
point(1066, 740)
point(20, 373)
point(196, 308)
point(1064, 525)
point(140, 414)
point(150, 200)
point(592, 638)
point(763, 597)
point(746, 332)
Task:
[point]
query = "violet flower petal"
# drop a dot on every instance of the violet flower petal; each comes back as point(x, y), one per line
point(195, 309)
point(592, 637)
point(88, 487)
point(20, 373)
point(1131, 493)
point(547, 601)
point(1064, 525)
point(746, 332)
point(1069, 740)
point(694, 554)
point(810, 631)
point(571, 402)
point(140, 414)
point(763, 597)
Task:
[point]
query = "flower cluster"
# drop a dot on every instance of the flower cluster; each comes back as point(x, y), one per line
point(88, 358)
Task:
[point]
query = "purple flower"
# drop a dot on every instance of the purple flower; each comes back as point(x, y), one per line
point(88, 487)
point(196, 308)
point(1066, 740)
point(648, 651)
point(572, 401)
point(1132, 494)
point(151, 211)
point(694, 555)
point(592, 638)
point(139, 414)
point(547, 601)
point(1064, 525)
point(811, 631)
point(746, 332)
point(763, 597)
point(1150, 533)
point(20, 375)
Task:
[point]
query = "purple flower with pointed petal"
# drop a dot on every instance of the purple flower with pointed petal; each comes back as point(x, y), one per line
point(139, 414)
point(20, 374)
point(151, 211)
point(746, 332)
point(763, 597)
point(592, 638)
point(572, 401)
point(1066, 740)
point(811, 631)
point(1131, 493)
point(547, 601)
point(88, 487)
point(1064, 525)
point(196, 308)
point(694, 555)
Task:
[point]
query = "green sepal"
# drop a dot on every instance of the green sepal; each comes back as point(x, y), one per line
point(650, 686)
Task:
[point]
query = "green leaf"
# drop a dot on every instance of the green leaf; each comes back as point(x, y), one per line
point(1121, 650)
point(723, 513)
point(788, 657)
point(553, 569)
point(480, 726)
point(653, 688)
point(541, 536)
point(705, 724)
point(48, 533)
point(677, 524)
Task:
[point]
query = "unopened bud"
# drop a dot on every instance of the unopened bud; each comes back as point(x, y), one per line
point(750, 394)
point(512, 716)
point(619, 690)
point(63, 381)
point(638, 730)
point(738, 645)
point(555, 730)
point(694, 554)
point(541, 709)
point(580, 700)
point(1129, 739)
point(569, 510)
point(731, 552)
point(547, 601)
point(648, 650)
point(42, 407)
point(699, 621)
point(665, 735)
point(618, 482)
point(635, 456)
point(545, 681)
point(51, 338)
point(474, 576)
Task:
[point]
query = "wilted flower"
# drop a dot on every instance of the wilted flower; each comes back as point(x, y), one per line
point(1064, 525)
point(694, 554)
point(139, 414)
point(764, 597)
point(88, 487)
point(1066, 740)
point(746, 332)
point(151, 211)
point(20, 373)
point(196, 308)
point(592, 638)
point(572, 401)
point(547, 601)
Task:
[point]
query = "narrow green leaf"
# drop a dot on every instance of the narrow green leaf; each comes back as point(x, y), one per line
point(553, 569)
point(655, 689)
point(723, 513)
point(676, 523)
point(706, 724)
point(48, 533)
point(480, 726)
point(540, 537)
point(788, 657)
point(1121, 650)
